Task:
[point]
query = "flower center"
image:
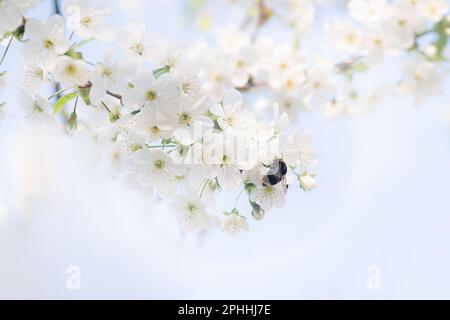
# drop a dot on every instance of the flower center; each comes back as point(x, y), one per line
point(48, 44)
point(107, 72)
point(218, 79)
point(184, 118)
point(402, 22)
point(151, 95)
point(418, 77)
point(135, 147)
point(159, 164)
point(230, 120)
point(191, 207)
point(154, 130)
point(86, 21)
point(351, 38)
point(268, 191)
point(288, 104)
point(188, 87)
point(138, 48)
point(290, 84)
point(71, 69)
point(226, 159)
point(37, 107)
point(378, 42)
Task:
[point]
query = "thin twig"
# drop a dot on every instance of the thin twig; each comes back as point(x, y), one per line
point(58, 92)
point(6, 50)
point(203, 189)
point(56, 8)
point(75, 106)
point(115, 95)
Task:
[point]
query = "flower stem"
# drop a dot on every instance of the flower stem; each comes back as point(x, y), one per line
point(238, 197)
point(161, 146)
point(115, 95)
point(58, 92)
point(56, 8)
point(203, 188)
point(6, 50)
point(75, 105)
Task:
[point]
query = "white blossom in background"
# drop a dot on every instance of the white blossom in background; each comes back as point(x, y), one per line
point(88, 18)
point(192, 213)
point(234, 224)
point(110, 75)
point(370, 12)
point(34, 77)
point(421, 79)
point(156, 169)
point(344, 36)
point(35, 106)
point(136, 43)
point(11, 13)
point(433, 9)
point(10, 16)
point(71, 72)
point(302, 14)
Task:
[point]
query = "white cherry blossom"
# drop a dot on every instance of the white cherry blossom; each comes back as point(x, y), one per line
point(11, 13)
point(433, 9)
point(192, 214)
point(87, 18)
point(234, 224)
point(230, 114)
point(46, 41)
point(147, 91)
point(369, 12)
point(71, 72)
point(268, 196)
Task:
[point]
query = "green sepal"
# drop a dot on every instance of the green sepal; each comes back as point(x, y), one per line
point(84, 94)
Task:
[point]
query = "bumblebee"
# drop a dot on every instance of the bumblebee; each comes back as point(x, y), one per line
point(276, 174)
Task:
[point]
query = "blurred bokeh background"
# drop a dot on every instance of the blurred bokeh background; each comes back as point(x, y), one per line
point(381, 212)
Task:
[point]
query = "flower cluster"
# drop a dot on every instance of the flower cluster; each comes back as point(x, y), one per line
point(274, 73)
point(369, 33)
point(419, 29)
point(187, 123)
point(179, 130)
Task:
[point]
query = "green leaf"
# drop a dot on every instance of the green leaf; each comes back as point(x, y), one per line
point(59, 105)
point(76, 55)
point(159, 72)
point(82, 43)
